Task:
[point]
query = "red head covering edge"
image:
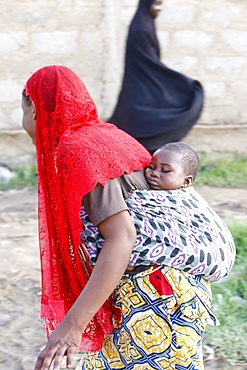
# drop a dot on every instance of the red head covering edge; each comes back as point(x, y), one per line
point(75, 151)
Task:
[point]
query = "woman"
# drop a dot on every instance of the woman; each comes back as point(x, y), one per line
point(156, 105)
point(75, 151)
point(79, 157)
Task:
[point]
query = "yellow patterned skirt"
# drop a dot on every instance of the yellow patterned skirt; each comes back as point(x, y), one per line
point(159, 329)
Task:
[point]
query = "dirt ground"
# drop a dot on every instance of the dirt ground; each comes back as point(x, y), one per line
point(22, 334)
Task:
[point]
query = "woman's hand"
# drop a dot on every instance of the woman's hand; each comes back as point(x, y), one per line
point(64, 341)
point(120, 236)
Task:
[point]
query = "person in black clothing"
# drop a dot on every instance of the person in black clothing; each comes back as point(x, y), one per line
point(156, 104)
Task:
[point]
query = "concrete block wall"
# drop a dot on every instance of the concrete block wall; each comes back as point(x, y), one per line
point(206, 40)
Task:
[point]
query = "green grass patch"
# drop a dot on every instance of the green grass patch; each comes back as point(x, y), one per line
point(223, 171)
point(229, 295)
point(220, 171)
point(25, 176)
point(230, 306)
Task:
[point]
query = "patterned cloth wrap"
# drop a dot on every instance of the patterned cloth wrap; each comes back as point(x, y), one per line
point(176, 228)
point(162, 326)
point(158, 329)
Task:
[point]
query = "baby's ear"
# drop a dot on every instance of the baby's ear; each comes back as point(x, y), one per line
point(187, 182)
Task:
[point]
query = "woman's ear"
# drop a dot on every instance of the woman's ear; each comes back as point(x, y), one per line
point(34, 111)
point(187, 182)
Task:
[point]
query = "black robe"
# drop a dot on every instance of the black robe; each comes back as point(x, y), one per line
point(156, 105)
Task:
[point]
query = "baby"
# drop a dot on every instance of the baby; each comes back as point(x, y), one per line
point(175, 226)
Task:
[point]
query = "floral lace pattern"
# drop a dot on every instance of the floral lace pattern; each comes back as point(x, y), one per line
point(75, 151)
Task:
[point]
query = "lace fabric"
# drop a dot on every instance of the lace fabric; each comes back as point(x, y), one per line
point(75, 151)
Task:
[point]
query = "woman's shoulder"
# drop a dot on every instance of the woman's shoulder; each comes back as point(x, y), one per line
point(135, 181)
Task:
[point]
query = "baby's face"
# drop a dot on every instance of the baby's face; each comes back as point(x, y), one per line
point(165, 171)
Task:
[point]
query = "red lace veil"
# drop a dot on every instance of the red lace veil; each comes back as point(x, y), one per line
point(75, 151)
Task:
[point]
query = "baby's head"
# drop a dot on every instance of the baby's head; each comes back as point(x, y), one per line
point(172, 166)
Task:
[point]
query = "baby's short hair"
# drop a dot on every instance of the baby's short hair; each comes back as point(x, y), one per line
point(189, 158)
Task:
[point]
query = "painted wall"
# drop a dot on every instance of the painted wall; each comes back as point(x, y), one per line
point(206, 40)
